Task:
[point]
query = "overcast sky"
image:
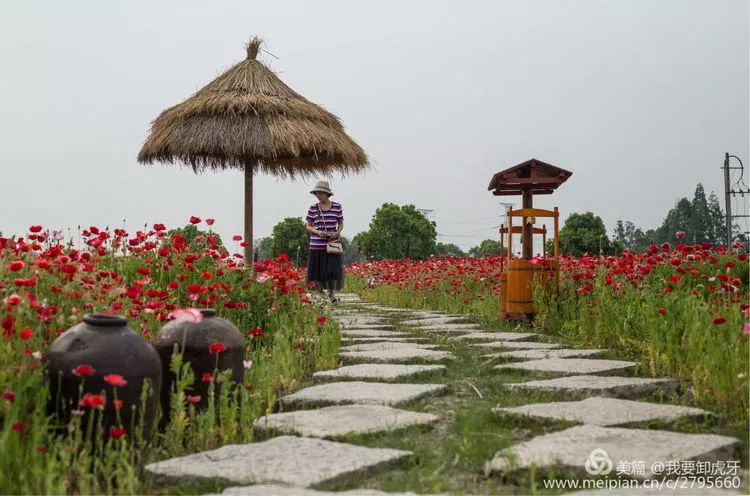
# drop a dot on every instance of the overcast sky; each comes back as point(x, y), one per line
point(639, 99)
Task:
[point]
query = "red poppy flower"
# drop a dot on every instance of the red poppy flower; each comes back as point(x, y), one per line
point(116, 432)
point(15, 266)
point(719, 320)
point(9, 396)
point(679, 234)
point(216, 348)
point(35, 229)
point(26, 333)
point(193, 399)
point(92, 401)
point(195, 220)
point(18, 426)
point(675, 279)
point(117, 403)
point(256, 332)
point(115, 380)
point(160, 227)
point(207, 377)
point(83, 370)
point(210, 222)
point(662, 311)
point(322, 320)
point(236, 237)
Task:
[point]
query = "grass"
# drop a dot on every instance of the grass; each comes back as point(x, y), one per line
point(450, 457)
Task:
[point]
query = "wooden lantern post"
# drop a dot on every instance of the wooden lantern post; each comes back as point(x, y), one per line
point(527, 179)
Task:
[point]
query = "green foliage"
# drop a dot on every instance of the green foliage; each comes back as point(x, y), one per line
point(584, 233)
point(487, 248)
point(629, 237)
point(264, 247)
point(449, 249)
point(351, 250)
point(702, 220)
point(399, 232)
point(291, 237)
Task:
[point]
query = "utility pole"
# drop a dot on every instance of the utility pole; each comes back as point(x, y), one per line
point(729, 192)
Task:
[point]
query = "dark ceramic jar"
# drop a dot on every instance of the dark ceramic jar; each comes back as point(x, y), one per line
point(109, 347)
point(193, 340)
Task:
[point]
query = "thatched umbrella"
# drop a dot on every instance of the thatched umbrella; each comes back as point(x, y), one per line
point(248, 119)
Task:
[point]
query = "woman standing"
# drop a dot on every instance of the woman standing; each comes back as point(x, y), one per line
point(325, 221)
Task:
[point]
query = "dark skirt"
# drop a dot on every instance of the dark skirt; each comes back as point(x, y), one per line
point(324, 270)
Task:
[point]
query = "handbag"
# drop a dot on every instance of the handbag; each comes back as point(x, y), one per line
point(332, 247)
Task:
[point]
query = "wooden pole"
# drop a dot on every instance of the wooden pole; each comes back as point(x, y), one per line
point(249, 214)
point(510, 234)
point(527, 236)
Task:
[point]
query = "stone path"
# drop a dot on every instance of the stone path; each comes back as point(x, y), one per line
point(360, 399)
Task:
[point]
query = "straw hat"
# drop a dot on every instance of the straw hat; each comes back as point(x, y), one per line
point(323, 187)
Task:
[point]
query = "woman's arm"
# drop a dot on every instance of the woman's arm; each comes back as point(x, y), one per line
point(339, 228)
point(311, 229)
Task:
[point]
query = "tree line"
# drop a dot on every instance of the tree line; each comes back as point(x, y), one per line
point(402, 231)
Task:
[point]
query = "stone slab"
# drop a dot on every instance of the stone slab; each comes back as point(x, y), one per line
point(517, 345)
point(276, 490)
point(431, 321)
point(365, 325)
point(343, 420)
point(372, 333)
point(496, 336)
point(362, 393)
point(401, 355)
point(359, 316)
point(350, 319)
point(447, 330)
point(450, 326)
point(573, 448)
point(357, 339)
point(376, 371)
point(297, 461)
point(388, 346)
point(570, 366)
point(598, 385)
point(540, 354)
point(602, 411)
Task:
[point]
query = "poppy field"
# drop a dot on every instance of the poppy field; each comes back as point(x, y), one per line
point(47, 284)
point(681, 310)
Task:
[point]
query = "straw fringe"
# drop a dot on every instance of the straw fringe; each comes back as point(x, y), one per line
point(248, 116)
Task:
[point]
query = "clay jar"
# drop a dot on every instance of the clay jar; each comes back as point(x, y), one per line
point(193, 340)
point(109, 346)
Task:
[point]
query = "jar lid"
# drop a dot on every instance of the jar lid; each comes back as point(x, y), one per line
point(105, 320)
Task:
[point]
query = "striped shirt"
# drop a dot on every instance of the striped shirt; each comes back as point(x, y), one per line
point(324, 220)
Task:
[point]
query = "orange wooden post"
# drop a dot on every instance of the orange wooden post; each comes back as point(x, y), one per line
point(503, 283)
point(557, 247)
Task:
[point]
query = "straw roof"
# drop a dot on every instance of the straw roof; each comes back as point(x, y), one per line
point(248, 116)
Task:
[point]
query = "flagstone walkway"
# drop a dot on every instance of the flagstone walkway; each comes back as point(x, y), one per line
point(307, 442)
